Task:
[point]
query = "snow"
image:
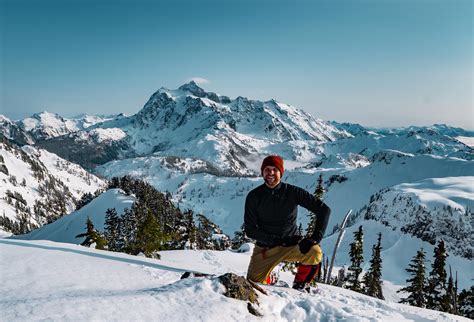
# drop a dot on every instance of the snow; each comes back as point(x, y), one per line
point(78, 180)
point(44, 280)
point(457, 192)
point(398, 249)
point(109, 134)
point(467, 140)
point(66, 228)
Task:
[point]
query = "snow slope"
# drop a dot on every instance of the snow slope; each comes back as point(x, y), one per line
point(44, 280)
point(38, 176)
point(398, 248)
point(66, 228)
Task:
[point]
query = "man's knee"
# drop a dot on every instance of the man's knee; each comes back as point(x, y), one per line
point(313, 256)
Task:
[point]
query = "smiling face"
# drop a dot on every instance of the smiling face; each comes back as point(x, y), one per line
point(272, 176)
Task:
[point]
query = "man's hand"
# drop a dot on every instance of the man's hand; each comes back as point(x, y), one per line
point(305, 244)
point(291, 240)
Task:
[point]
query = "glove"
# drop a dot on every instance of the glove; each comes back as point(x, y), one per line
point(290, 240)
point(305, 244)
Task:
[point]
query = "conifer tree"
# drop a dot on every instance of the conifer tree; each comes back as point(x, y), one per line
point(240, 238)
point(128, 230)
point(319, 188)
point(341, 275)
point(437, 280)
point(88, 234)
point(466, 303)
point(189, 235)
point(92, 236)
point(112, 229)
point(318, 192)
point(373, 278)
point(416, 287)
point(205, 233)
point(150, 237)
point(449, 300)
point(357, 258)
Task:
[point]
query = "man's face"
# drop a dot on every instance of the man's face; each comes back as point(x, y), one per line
point(272, 176)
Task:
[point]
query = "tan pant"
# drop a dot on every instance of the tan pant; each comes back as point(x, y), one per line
point(264, 260)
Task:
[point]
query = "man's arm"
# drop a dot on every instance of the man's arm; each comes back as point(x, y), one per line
point(316, 206)
point(252, 228)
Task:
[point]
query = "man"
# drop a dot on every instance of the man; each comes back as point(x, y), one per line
point(270, 219)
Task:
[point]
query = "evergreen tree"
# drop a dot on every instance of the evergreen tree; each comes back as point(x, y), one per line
point(319, 188)
point(189, 235)
point(417, 283)
point(448, 302)
point(341, 276)
point(85, 199)
point(128, 230)
point(357, 258)
point(150, 237)
point(240, 238)
point(209, 235)
point(112, 229)
point(437, 280)
point(373, 278)
point(318, 192)
point(466, 303)
point(92, 236)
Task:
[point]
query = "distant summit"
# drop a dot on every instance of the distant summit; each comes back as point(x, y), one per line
point(193, 88)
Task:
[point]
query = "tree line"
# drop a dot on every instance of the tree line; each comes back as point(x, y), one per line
point(152, 224)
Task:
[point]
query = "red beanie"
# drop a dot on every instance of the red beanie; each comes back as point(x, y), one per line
point(275, 161)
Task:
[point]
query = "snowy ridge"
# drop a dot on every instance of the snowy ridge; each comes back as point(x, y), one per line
point(66, 228)
point(38, 186)
point(431, 209)
point(70, 282)
point(43, 126)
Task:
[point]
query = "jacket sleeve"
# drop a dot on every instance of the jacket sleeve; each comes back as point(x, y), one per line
point(252, 228)
point(316, 206)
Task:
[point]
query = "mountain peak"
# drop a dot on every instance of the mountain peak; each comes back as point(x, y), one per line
point(193, 88)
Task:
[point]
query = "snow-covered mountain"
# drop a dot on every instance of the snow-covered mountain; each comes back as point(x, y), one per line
point(43, 126)
point(429, 209)
point(38, 187)
point(11, 131)
point(228, 135)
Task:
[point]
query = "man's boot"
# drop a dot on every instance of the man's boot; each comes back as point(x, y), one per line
point(304, 275)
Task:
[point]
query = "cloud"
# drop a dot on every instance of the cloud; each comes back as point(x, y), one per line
point(199, 80)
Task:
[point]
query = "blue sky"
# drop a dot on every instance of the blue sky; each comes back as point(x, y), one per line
point(379, 63)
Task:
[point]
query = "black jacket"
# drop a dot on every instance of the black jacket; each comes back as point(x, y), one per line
point(270, 214)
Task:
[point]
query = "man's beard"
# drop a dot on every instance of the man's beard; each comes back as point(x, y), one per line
point(271, 182)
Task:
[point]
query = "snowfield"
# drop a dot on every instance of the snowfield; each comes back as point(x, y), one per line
point(45, 280)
